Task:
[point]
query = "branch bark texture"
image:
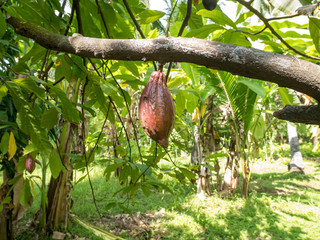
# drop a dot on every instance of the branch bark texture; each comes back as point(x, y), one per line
point(286, 71)
point(300, 114)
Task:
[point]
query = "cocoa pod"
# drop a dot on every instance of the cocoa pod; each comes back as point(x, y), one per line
point(30, 163)
point(209, 4)
point(156, 109)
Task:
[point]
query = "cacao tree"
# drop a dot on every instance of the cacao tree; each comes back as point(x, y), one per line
point(64, 63)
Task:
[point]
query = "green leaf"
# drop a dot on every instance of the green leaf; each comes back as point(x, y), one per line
point(188, 174)
point(204, 31)
point(31, 85)
point(3, 91)
point(217, 16)
point(125, 209)
point(180, 103)
point(50, 118)
point(3, 25)
point(314, 28)
point(6, 200)
point(32, 57)
point(254, 85)
point(288, 97)
point(149, 16)
point(25, 193)
point(132, 68)
point(146, 190)
point(4, 143)
point(69, 111)
point(55, 164)
point(12, 149)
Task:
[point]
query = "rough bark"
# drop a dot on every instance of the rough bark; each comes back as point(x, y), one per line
point(296, 162)
point(6, 226)
point(286, 71)
point(308, 114)
point(59, 190)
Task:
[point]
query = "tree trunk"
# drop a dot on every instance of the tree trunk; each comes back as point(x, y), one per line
point(6, 226)
point(197, 157)
point(59, 188)
point(296, 162)
point(231, 176)
point(315, 141)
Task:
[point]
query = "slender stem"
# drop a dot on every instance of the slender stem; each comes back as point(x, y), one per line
point(154, 159)
point(137, 25)
point(183, 26)
point(84, 149)
point(274, 32)
point(103, 19)
point(115, 108)
point(169, 20)
point(127, 105)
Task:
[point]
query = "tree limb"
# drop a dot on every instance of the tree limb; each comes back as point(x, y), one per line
point(286, 71)
point(308, 114)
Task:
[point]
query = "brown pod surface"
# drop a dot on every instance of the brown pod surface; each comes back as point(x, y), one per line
point(156, 109)
point(30, 163)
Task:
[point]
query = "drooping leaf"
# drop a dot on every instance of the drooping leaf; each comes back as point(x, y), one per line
point(149, 16)
point(314, 28)
point(12, 149)
point(50, 118)
point(3, 25)
point(55, 164)
point(4, 143)
point(218, 17)
point(69, 111)
point(25, 193)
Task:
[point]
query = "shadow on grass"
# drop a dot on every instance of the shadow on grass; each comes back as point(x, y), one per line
point(255, 218)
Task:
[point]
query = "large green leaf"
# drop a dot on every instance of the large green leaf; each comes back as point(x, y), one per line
point(50, 118)
point(314, 28)
point(288, 96)
point(25, 193)
point(3, 26)
point(218, 17)
point(69, 111)
point(55, 164)
point(149, 16)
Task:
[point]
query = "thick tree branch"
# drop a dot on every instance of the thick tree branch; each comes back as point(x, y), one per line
point(309, 114)
point(286, 71)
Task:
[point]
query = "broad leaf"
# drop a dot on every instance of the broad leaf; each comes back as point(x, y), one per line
point(314, 28)
point(55, 164)
point(12, 149)
point(149, 16)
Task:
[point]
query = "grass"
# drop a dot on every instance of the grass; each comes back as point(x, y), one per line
point(281, 205)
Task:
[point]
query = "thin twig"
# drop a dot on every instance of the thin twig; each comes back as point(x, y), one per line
point(169, 20)
point(103, 19)
point(253, 34)
point(137, 25)
point(283, 17)
point(84, 149)
point(183, 26)
point(154, 159)
point(127, 105)
point(124, 129)
point(115, 108)
point(274, 32)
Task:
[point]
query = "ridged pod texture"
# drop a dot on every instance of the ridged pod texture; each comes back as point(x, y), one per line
point(30, 164)
point(156, 109)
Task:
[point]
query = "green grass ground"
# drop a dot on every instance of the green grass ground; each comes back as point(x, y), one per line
point(281, 205)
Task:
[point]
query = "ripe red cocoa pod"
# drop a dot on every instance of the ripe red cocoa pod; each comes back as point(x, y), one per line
point(156, 109)
point(30, 163)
